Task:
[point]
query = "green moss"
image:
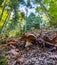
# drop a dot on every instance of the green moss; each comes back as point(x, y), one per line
point(3, 61)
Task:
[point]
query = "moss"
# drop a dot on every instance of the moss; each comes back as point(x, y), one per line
point(3, 61)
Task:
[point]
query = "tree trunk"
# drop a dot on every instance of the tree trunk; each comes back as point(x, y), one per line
point(45, 10)
point(2, 10)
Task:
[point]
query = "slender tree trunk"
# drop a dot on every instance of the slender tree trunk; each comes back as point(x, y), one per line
point(26, 20)
point(3, 10)
point(4, 23)
point(45, 10)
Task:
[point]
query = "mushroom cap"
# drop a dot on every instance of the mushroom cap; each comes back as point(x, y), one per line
point(28, 37)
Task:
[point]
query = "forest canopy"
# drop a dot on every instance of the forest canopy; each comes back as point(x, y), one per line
point(20, 16)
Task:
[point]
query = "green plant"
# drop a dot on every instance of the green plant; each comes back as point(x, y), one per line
point(3, 61)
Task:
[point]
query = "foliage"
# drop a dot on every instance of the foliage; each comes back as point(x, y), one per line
point(3, 61)
point(33, 21)
point(50, 8)
point(3, 57)
point(53, 14)
point(1, 1)
point(12, 18)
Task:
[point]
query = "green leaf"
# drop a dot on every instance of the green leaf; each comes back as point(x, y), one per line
point(1, 1)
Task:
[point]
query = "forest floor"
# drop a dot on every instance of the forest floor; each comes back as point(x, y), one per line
point(33, 55)
point(30, 55)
